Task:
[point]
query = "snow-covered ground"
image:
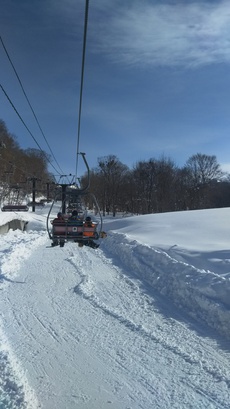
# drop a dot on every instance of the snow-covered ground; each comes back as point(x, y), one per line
point(142, 322)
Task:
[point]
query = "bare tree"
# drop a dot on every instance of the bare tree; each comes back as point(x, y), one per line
point(113, 173)
point(204, 170)
point(17, 165)
point(155, 185)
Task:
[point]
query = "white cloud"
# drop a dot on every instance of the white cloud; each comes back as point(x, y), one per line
point(188, 35)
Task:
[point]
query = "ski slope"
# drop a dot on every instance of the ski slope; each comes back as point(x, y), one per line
point(133, 324)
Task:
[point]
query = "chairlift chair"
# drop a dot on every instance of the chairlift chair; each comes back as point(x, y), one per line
point(69, 229)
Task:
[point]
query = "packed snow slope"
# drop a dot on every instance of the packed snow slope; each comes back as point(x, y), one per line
point(142, 322)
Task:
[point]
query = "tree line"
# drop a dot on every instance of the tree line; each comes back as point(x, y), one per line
point(151, 186)
point(158, 185)
point(19, 167)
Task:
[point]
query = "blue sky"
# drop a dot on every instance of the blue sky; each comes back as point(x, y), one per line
point(157, 78)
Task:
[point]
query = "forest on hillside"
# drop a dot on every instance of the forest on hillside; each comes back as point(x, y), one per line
point(19, 168)
point(158, 185)
point(151, 186)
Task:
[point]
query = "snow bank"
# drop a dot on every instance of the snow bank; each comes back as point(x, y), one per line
point(203, 294)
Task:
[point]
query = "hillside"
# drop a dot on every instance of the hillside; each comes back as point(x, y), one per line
point(141, 322)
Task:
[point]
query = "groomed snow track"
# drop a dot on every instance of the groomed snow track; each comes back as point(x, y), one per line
point(88, 331)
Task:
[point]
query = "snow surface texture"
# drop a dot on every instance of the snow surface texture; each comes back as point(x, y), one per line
point(141, 322)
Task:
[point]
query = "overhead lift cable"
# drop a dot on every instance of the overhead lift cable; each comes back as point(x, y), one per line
point(77, 227)
point(82, 80)
point(23, 171)
point(27, 99)
point(27, 128)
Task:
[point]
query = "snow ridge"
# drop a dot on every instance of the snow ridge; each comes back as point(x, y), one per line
point(186, 286)
point(16, 248)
